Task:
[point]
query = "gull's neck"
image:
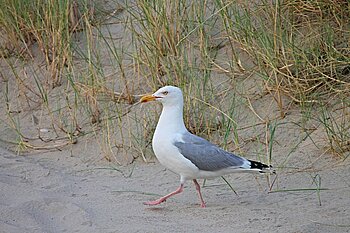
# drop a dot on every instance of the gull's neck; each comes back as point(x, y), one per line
point(171, 120)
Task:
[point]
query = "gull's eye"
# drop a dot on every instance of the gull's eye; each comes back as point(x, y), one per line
point(165, 92)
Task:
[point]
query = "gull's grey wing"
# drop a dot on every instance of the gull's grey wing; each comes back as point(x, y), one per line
point(205, 155)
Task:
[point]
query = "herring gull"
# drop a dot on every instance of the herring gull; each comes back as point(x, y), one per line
point(186, 154)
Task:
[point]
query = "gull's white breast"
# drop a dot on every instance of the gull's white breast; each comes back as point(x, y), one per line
point(170, 157)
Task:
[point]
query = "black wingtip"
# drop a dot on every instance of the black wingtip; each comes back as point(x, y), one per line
point(262, 167)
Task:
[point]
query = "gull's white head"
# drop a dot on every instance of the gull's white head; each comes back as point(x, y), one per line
point(168, 95)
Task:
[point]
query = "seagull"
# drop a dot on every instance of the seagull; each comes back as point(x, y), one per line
point(186, 154)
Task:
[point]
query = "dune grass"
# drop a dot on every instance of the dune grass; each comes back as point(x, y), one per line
point(79, 68)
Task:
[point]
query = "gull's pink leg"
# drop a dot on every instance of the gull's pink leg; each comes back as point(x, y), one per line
point(198, 188)
point(162, 199)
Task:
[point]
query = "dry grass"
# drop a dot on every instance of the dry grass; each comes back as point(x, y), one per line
point(298, 49)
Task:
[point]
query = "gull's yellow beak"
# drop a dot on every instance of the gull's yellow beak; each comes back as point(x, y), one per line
point(147, 98)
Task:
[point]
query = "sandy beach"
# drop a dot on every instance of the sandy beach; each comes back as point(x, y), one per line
point(57, 192)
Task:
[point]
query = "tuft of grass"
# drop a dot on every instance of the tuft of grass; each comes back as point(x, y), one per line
point(48, 24)
point(300, 47)
point(337, 128)
point(97, 61)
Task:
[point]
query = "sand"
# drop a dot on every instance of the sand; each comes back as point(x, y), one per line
point(58, 192)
